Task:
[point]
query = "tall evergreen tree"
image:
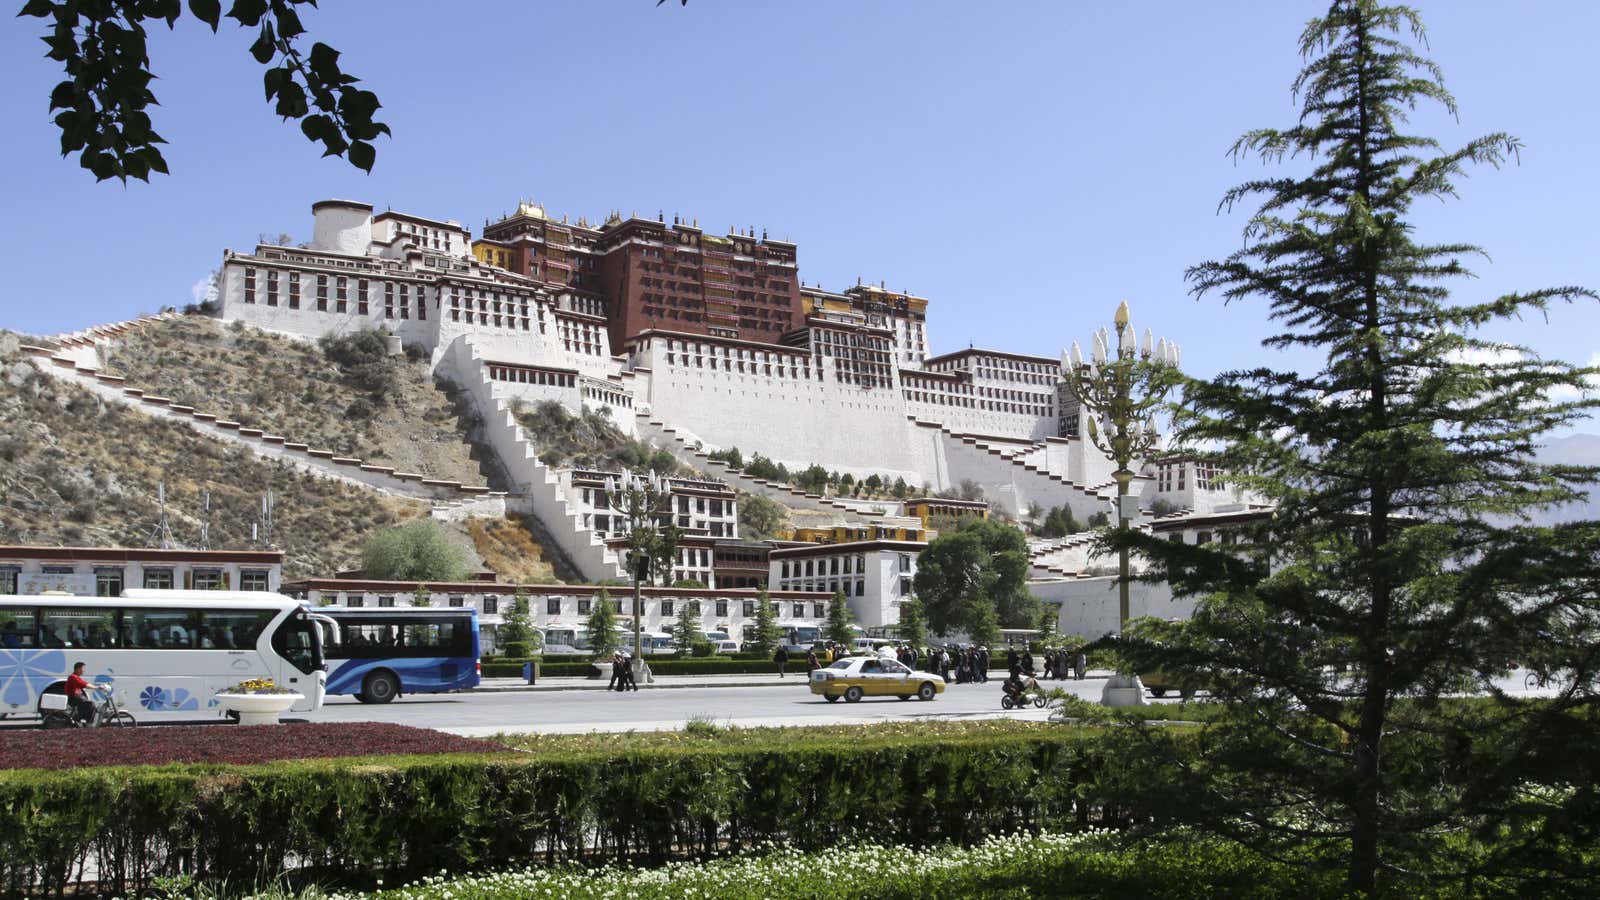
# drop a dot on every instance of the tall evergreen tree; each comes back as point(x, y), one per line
point(686, 630)
point(602, 625)
point(840, 618)
point(1401, 565)
point(913, 627)
point(767, 634)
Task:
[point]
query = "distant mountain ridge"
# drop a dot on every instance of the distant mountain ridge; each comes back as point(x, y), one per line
point(1574, 449)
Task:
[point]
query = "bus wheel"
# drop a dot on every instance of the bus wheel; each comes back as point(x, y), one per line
point(380, 687)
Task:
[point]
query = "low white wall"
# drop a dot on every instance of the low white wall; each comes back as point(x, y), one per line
point(1090, 607)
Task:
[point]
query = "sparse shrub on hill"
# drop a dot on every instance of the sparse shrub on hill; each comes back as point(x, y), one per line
point(80, 471)
point(590, 440)
point(347, 395)
point(760, 517)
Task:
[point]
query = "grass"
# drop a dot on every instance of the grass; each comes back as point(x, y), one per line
point(76, 470)
point(507, 547)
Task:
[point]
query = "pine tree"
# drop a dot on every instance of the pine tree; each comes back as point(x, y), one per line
point(421, 597)
point(913, 628)
point(516, 631)
point(766, 634)
point(602, 625)
point(1400, 568)
point(840, 618)
point(686, 629)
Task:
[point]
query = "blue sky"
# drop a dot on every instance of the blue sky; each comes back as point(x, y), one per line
point(1024, 165)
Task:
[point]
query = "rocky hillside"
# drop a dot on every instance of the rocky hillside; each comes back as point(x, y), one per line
point(352, 399)
point(77, 470)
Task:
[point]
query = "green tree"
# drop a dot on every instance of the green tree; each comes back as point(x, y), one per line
point(874, 483)
point(421, 596)
point(516, 629)
point(840, 618)
point(1401, 468)
point(901, 489)
point(974, 579)
point(760, 518)
point(686, 628)
point(105, 99)
point(416, 551)
point(913, 627)
point(602, 625)
point(765, 634)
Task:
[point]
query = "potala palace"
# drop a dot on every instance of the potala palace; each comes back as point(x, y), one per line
point(698, 342)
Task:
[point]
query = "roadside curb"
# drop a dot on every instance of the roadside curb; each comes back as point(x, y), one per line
point(600, 685)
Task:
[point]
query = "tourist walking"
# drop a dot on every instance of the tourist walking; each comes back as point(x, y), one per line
point(1081, 664)
point(781, 657)
point(616, 671)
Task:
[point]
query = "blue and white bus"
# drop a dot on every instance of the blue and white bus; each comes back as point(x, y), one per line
point(386, 652)
point(164, 654)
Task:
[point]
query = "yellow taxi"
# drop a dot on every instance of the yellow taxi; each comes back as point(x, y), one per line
point(855, 677)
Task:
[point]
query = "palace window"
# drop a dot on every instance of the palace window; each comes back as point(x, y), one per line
point(749, 609)
point(491, 606)
point(8, 579)
point(272, 287)
point(583, 607)
point(107, 582)
point(322, 293)
point(666, 608)
point(250, 284)
point(388, 300)
point(552, 606)
point(355, 601)
point(161, 579)
point(341, 294)
point(294, 290)
point(722, 608)
point(361, 297)
point(385, 599)
point(458, 601)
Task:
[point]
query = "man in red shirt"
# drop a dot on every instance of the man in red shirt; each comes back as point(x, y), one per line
point(78, 694)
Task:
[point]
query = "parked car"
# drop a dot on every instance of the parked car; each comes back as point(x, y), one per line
point(727, 648)
point(1158, 683)
point(855, 677)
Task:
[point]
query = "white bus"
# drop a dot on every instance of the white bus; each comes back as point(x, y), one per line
point(164, 654)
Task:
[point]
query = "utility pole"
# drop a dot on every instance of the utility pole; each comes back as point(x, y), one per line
point(1120, 391)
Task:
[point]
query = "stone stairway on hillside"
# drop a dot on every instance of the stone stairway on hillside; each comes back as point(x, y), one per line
point(83, 346)
point(662, 435)
point(539, 490)
point(984, 459)
point(323, 462)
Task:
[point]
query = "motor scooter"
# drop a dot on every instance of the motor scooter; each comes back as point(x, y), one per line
point(58, 712)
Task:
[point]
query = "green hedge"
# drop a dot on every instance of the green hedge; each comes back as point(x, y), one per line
point(710, 665)
point(353, 821)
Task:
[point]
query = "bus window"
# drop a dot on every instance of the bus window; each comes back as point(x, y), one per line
point(17, 629)
point(232, 629)
point(295, 640)
point(167, 629)
point(68, 627)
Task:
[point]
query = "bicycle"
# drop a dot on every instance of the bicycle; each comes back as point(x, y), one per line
point(58, 712)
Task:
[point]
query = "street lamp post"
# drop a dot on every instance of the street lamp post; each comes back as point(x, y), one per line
point(1120, 391)
point(640, 499)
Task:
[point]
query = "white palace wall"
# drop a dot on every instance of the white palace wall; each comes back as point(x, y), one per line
point(795, 421)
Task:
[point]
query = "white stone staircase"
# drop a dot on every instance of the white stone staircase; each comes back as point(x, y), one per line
point(991, 460)
point(538, 490)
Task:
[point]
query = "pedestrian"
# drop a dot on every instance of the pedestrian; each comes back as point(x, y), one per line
point(983, 665)
point(1011, 658)
point(1049, 663)
point(616, 671)
point(781, 658)
point(629, 682)
point(1027, 661)
point(1082, 664)
point(812, 663)
point(945, 663)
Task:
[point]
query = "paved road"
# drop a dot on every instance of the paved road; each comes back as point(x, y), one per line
point(579, 711)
